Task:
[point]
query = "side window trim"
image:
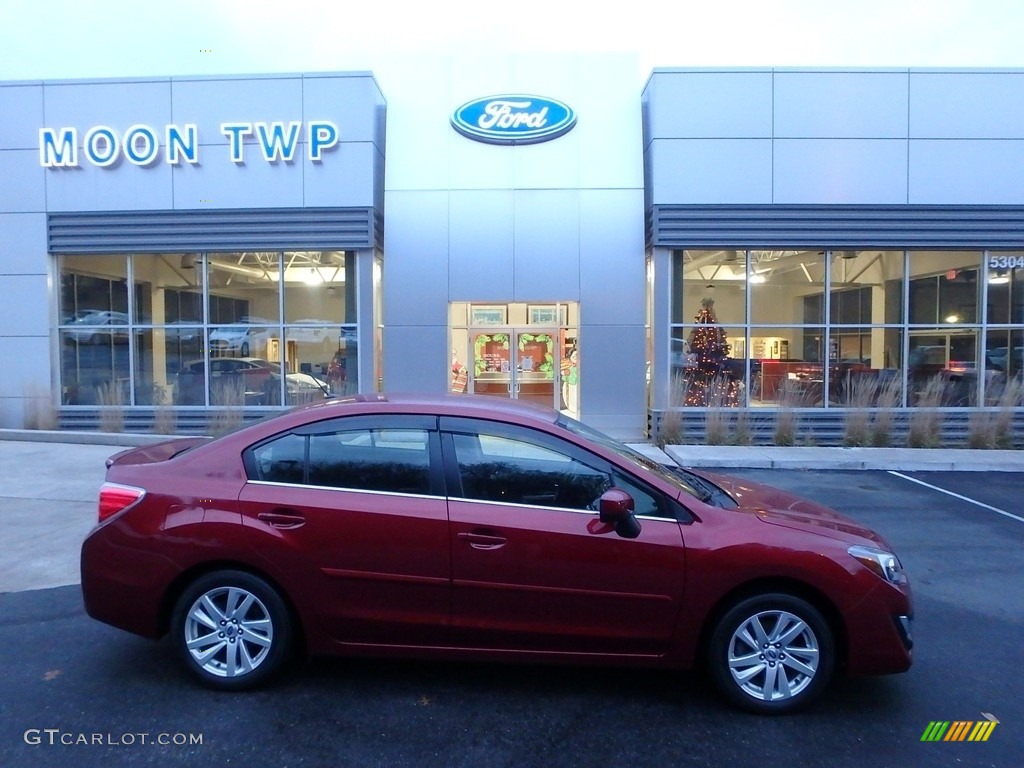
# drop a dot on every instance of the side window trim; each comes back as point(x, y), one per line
point(252, 470)
point(387, 421)
point(428, 424)
point(450, 425)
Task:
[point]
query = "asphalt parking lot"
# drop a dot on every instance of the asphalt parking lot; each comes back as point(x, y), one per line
point(78, 692)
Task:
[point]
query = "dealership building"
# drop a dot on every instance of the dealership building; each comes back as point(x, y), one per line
point(546, 228)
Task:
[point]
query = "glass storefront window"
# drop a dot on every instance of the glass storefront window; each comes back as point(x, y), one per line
point(205, 329)
point(945, 287)
point(697, 275)
point(1004, 362)
point(319, 287)
point(708, 364)
point(168, 296)
point(788, 367)
point(866, 288)
point(244, 287)
point(1005, 273)
point(877, 327)
point(786, 287)
point(94, 330)
point(943, 361)
point(321, 354)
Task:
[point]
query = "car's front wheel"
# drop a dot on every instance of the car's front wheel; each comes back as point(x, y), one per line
point(772, 654)
point(232, 629)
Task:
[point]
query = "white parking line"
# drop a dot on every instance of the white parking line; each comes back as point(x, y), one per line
point(957, 495)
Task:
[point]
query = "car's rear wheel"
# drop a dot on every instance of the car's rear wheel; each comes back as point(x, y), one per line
point(772, 654)
point(245, 349)
point(232, 629)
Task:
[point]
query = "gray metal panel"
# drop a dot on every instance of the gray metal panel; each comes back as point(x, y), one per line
point(968, 104)
point(841, 105)
point(23, 116)
point(683, 226)
point(23, 236)
point(218, 230)
point(839, 171)
point(966, 171)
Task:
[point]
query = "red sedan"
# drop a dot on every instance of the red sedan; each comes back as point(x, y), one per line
point(475, 528)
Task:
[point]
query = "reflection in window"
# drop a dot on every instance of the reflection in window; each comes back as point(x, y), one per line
point(391, 460)
point(644, 501)
point(1005, 287)
point(944, 287)
point(185, 309)
point(942, 367)
point(518, 472)
point(282, 460)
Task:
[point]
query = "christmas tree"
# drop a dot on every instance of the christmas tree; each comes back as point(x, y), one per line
point(709, 383)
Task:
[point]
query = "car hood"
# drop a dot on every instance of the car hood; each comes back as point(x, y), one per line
point(777, 507)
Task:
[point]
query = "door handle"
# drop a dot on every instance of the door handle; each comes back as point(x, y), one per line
point(282, 520)
point(482, 540)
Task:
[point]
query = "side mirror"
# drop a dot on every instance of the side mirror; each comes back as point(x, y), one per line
point(616, 507)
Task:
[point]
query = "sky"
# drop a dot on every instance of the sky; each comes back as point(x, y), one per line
point(59, 39)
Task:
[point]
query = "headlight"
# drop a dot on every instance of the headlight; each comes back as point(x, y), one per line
point(885, 564)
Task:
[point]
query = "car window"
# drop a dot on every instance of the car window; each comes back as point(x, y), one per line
point(282, 460)
point(645, 501)
point(393, 460)
point(517, 471)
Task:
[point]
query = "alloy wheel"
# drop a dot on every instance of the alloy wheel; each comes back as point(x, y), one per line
point(229, 632)
point(773, 655)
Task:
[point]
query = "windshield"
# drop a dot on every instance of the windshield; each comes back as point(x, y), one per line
point(681, 479)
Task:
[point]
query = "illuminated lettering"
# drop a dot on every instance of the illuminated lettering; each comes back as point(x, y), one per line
point(182, 145)
point(58, 151)
point(140, 145)
point(275, 145)
point(235, 133)
point(102, 146)
point(322, 135)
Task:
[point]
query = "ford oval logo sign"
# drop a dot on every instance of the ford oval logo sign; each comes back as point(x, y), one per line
point(513, 119)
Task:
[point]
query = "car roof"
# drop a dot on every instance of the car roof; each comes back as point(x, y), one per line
point(473, 406)
point(453, 405)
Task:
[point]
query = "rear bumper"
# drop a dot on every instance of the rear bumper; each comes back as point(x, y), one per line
point(123, 587)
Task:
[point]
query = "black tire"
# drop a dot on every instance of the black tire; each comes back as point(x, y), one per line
point(215, 631)
point(245, 349)
point(792, 664)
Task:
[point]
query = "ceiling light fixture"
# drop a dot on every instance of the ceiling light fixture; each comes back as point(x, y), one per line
point(999, 278)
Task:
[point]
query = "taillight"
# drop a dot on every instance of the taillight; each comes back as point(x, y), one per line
point(117, 498)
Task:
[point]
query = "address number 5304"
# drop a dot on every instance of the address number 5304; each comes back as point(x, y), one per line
point(1006, 262)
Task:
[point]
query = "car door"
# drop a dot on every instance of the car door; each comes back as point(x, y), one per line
point(351, 511)
point(533, 568)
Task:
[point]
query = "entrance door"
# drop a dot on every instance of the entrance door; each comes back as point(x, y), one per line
point(516, 363)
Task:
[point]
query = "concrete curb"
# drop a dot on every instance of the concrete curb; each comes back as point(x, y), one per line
point(884, 459)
